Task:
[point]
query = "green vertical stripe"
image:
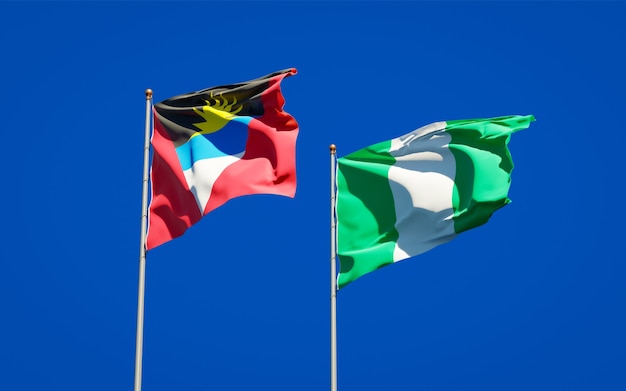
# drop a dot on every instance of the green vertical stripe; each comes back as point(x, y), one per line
point(484, 166)
point(365, 212)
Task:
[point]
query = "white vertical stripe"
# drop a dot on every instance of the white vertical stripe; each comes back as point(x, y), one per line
point(422, 181)
point(202, 176)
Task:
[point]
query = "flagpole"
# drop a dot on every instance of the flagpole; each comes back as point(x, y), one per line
point(333, 274)
point(142, 246)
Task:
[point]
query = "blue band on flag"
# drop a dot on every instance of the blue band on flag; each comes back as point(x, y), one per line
point(230, 140)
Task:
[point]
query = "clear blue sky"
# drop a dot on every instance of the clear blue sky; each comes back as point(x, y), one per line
point(533, 300)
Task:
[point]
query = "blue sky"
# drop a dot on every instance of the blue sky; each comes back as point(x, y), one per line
point(533, 300)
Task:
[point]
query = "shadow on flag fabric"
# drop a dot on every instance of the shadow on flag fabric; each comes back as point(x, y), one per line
point(216, 144)
point(402, 197)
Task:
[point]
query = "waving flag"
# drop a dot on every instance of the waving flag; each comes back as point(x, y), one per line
point(216, 144)
point(402, 197)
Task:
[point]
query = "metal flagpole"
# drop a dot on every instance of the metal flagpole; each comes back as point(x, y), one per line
point(333, 274)
point(142, 246)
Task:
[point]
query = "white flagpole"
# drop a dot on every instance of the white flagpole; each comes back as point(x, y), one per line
point(142, 246)
point(333, 274)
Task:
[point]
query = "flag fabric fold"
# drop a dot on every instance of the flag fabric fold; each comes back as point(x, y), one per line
point(402, 197)
point(216, 144)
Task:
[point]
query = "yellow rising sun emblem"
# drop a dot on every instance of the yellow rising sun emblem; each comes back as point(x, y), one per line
point(216, 114)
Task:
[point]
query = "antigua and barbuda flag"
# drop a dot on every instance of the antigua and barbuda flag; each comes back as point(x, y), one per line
point(216, 144)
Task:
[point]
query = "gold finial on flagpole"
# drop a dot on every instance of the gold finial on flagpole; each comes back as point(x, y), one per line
point(148, 94)
point(333, 148)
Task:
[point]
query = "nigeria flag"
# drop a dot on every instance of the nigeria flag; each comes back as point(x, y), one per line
point(402, 197)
